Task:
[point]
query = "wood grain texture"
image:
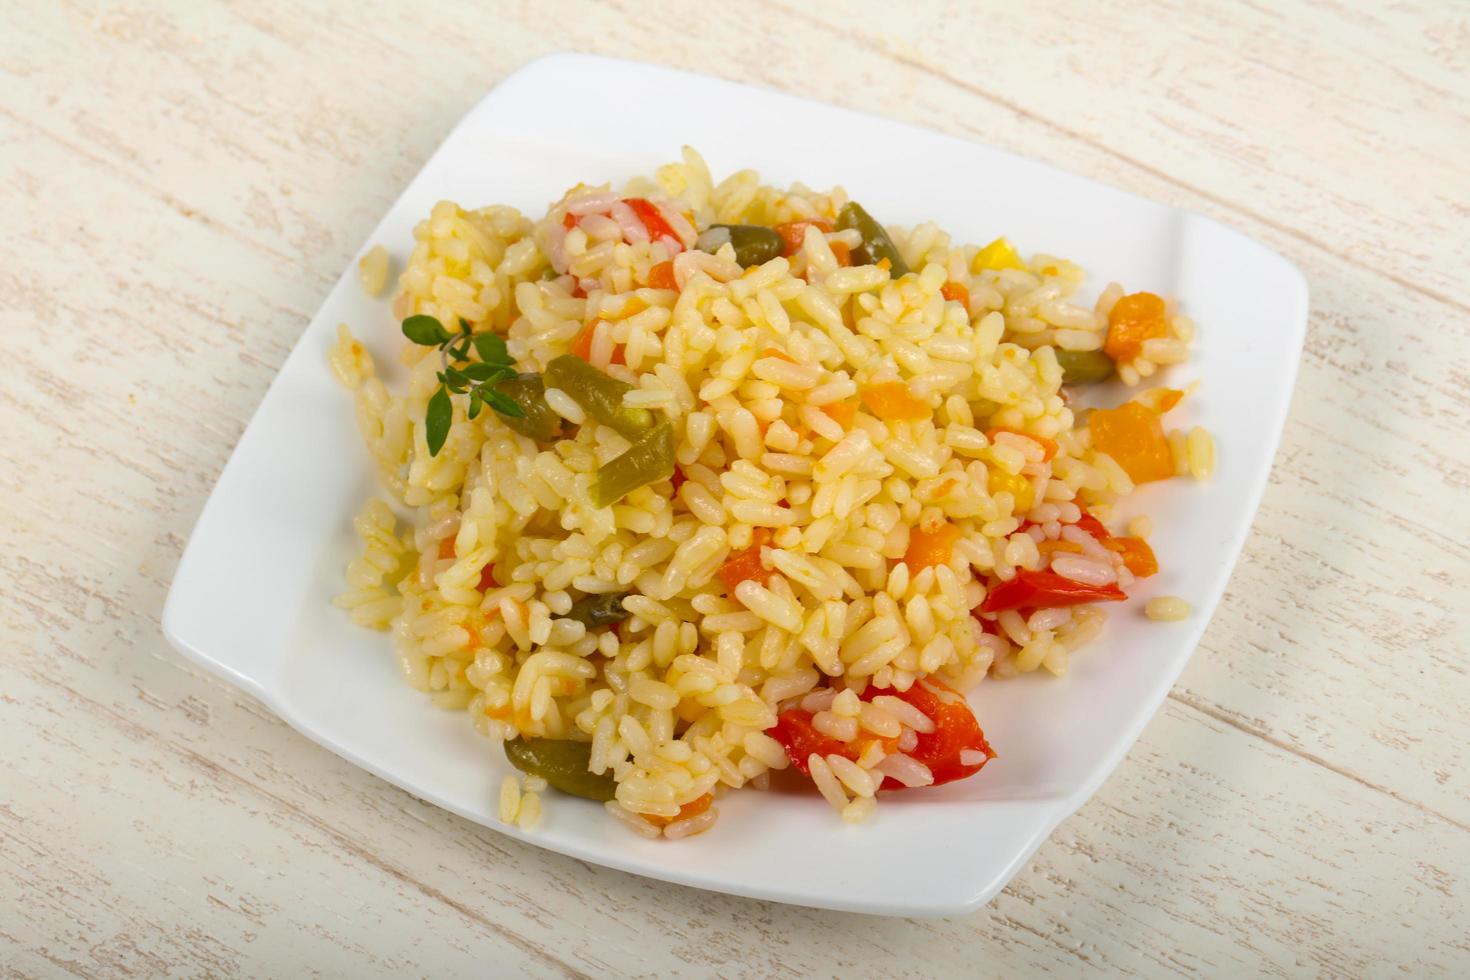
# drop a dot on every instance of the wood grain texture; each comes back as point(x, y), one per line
point(181, 182)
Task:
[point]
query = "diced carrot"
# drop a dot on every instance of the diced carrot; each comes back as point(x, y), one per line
point(569, 221)
point(930, 547)
point(446, 547)
point(1137, 555)
point(661, 276)
point(746, 564)
point(841, 412)
point(1050, 547)
point(885, 264)
point(691, 809)
point(892, 402)
point(1048, 446)
point(956, 292)
point(1159, 399)
point(582, 345)
point(773, 352)
point(793, 233)
point(841, 253)
point(1134, 437)
point(1133, 319)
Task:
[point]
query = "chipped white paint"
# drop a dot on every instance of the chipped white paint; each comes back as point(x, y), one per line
point(180, 182)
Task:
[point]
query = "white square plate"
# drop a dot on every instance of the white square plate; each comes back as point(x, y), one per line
point(252, 596)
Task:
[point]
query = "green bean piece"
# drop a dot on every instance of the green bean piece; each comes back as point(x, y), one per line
point(648, 460)
point(540, 422)
point(1084, 367)
point(599, 395)
point(876, 243)
point(753, 244)
point(599, 610)
point(563, 764)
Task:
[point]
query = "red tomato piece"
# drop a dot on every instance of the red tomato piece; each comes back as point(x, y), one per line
point(1043, 590)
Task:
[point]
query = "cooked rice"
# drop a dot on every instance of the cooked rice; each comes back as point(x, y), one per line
point(746, 363)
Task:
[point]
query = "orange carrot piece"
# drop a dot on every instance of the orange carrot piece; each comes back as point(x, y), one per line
point(1138, 557)
point(956, 292)
point(1133, 319)
point(841, 412)
point(582, 345)
point(1048, 446)
point(1134, 437)
point(892, 402)
point(794, 232)
point(691, 809)
point(746, 564)
point(930, 547)
point(661, 276)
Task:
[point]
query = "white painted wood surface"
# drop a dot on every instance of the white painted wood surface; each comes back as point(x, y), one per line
point(181, 182)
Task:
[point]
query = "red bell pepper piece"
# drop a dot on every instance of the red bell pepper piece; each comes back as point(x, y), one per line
point(797, 736)
point(1093, 526)
point(955, 732)
point(1044, 590)
point(652, 220)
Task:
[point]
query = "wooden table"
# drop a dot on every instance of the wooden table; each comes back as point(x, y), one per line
point(183, 181)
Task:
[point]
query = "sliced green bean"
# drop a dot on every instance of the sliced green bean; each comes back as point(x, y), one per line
point(539, 421)
point(876, 244)
point(599, 395)
point(753, 244)
point(648, 460)
point(599, 610)
point(1084, 367)
point(563, 764)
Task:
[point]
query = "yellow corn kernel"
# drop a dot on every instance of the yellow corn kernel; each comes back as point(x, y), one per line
point(999, 254)
point(1016, 484)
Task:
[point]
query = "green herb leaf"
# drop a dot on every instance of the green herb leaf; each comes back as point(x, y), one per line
point(425, 331)
point(487, 373)
point(455, 381)
point(437, 419)
point(474, 404)
point(502, 404)
point(492, 349)
point(464, 326)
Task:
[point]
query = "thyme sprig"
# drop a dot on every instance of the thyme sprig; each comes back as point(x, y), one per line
point(461, 375)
